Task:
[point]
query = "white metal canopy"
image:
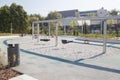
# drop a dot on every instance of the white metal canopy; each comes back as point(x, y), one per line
point(76, 19)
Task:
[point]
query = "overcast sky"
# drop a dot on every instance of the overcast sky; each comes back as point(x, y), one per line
point(43, 7)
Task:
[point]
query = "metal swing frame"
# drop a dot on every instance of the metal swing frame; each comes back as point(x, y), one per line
point(56, 21)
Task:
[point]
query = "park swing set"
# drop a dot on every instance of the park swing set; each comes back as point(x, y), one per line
point(36, 35)
point(56, 21)
point(44, 27)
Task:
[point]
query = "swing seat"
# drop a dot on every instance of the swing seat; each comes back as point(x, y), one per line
point(86, 41)
point(35, 36)
point(46, 40)
point(65, 41)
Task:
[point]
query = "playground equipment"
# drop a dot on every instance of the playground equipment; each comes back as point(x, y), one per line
point(66, 41)
point(103, 19)
point(37, 35)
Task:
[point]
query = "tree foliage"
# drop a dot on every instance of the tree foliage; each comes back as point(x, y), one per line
point(35, 17)
point(114, 12)
point(54, 15)
point(16, 15)
point(4, 18)
point(85, 28)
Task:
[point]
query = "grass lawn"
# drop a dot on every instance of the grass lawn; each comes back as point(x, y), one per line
point(8, 34)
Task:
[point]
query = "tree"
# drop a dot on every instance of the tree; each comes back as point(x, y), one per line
point(35, 17)
point(114, 12)
point(85, 28)
point(16, 15)
point(4, 19)
point(74, 27)
point(19, 18)
point(54, 15)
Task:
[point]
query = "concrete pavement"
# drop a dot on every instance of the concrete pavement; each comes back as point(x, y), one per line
point(49, 68)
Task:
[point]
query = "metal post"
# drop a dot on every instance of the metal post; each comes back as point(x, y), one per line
point(11, 28)
point(101, 24)
point(32, 30)
point(82, 26)
point(38, 32)
point(105, 37)
point(64, 30)
point(49, 28)
point(56, 36)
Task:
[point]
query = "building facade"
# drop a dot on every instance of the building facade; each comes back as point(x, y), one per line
point(95, 26)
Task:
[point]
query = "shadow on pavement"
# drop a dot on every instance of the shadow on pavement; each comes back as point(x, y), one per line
point(74, 62)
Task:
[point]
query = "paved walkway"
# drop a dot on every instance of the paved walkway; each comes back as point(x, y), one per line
point(45, 67)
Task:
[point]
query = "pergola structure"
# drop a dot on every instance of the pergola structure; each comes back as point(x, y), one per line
point(56, 21)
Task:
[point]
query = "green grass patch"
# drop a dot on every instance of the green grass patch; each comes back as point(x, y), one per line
point(8, 34)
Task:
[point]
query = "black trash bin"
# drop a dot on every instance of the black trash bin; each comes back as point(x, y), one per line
point(13, 55)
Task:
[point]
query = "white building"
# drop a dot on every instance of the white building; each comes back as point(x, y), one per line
point(69, 14)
